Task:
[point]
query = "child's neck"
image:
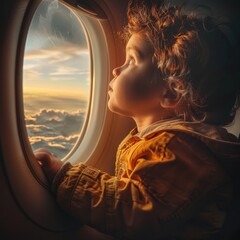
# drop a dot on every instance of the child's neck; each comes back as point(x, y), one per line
point(144, 122)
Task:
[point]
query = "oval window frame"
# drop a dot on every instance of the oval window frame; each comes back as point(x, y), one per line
point(40, 207)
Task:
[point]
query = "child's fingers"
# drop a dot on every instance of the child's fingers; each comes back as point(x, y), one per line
point(50, 164)
point(44, 159)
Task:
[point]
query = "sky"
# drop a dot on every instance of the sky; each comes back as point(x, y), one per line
point(56, 78)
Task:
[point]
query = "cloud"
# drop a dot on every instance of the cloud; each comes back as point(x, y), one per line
point(34, 101)
point(62, 78)
point(59, 53)
point(54, 130)
point(53, 19)
point(55, 64)
point(60, 122)
point(30, 75)
point(64, 70)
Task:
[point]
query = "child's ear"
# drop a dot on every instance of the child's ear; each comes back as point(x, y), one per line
point(170, 97)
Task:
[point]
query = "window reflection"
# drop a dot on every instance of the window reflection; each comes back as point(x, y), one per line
point(56, 78)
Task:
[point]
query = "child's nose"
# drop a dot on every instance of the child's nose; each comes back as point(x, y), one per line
point(116, 71)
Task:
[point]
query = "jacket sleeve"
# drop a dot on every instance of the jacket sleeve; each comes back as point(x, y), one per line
point(152, 199)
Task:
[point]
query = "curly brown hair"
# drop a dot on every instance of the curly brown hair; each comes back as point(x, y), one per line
point(193, 51)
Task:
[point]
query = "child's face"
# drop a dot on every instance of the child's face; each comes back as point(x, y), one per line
point(133, 91)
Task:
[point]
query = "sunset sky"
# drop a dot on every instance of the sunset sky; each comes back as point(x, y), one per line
point(56, 78)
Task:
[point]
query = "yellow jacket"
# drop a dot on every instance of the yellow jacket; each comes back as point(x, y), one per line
point(169, 184)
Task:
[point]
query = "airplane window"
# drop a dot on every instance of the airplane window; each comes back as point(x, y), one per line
point(56, 78)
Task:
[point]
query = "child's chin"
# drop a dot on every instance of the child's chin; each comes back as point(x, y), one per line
point(112, 108)
point(115, 109)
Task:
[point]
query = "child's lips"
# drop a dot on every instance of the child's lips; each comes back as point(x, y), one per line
point(110, 89)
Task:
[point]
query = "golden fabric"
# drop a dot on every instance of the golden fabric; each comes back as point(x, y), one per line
point(167, 185)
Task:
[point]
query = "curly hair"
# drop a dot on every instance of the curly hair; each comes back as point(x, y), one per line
point(194, 57)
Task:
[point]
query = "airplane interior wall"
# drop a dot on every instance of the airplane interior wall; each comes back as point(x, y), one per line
point(16, 221)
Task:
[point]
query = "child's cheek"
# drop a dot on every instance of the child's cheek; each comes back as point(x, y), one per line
point(137, 91)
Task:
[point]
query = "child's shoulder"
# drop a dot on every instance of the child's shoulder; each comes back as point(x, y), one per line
point(178, 141)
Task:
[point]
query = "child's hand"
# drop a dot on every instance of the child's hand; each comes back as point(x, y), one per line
point(49, 163)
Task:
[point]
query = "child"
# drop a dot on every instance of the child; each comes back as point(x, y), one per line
point(175, 172)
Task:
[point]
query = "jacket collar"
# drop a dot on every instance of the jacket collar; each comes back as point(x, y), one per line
point(204, 130)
